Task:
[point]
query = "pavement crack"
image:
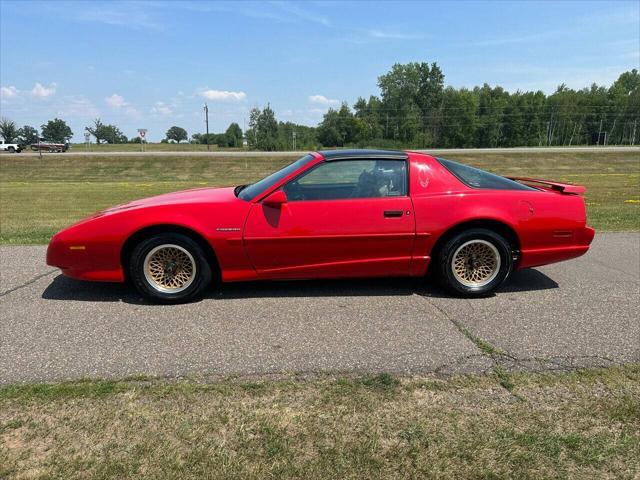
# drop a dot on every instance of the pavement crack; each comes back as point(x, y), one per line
point(488, 349)
point(28, 282)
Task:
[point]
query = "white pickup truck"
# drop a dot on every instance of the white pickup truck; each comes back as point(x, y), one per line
point(10, 147)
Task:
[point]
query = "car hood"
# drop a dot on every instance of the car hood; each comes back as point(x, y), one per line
point(194, 195)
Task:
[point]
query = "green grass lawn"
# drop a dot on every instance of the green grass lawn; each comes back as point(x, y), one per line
point(39, 197)
point(584, 424)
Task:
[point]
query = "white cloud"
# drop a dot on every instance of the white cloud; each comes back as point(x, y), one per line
point(116, 101)
point(41, 91)
point(78, 106)
point(8, 92)
point(322, 100)
point(161, 108)
point(223, 96)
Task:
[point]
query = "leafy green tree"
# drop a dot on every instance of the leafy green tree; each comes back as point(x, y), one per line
point(56, 131)
point(97, 130)
point(369, 114)
point(491, 105)
point(8, 130)
point(234, 135)
point(305, 136)
point(624, 96)
point(458, 130)
point(329, 131)
point(340, 128)
point(106, 133)
point(252, 132)
point(411, 97)
point(28, 135)
point(263, 129)
point(219, 139)
point(177, 133)
point(112, 134)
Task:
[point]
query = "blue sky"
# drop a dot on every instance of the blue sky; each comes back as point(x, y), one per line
point(154, 64)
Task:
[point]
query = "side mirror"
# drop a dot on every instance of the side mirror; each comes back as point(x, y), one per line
point(276, 198)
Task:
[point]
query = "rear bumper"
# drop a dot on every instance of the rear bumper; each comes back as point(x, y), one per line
point(535, 257)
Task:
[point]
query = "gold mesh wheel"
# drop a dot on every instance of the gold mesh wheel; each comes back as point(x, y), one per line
point(476, 263)
point(169, 268)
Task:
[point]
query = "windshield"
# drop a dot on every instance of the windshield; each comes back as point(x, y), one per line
point(476, 178)
point(254, 189)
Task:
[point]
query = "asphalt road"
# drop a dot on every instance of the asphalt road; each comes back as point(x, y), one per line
point(579, 313)
point(81, 151)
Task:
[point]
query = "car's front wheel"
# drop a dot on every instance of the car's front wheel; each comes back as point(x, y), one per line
point(170, 268)
point(475, 262)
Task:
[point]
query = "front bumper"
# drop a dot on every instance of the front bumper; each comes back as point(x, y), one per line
point(83, 260)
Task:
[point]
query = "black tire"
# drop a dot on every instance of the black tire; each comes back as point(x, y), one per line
point(142, 279)
point(12, 150)
point(489, 243)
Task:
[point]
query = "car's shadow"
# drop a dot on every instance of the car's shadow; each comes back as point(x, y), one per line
point(64, 288)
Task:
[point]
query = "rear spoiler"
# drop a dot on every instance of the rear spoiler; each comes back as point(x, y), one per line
point(559, 187)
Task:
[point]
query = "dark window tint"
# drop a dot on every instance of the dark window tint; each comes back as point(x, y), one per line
point(476, 178)
point(260, 186)
point(350, 179)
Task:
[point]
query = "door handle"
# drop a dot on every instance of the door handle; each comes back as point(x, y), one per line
point(392, 213)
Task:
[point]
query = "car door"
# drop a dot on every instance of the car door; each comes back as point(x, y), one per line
point(342, 218)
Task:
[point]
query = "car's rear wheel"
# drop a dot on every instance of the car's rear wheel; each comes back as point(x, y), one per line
point(12, 150)
point(475, 262)
point(170, 268)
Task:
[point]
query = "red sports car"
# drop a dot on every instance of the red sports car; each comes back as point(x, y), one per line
point(345, 213)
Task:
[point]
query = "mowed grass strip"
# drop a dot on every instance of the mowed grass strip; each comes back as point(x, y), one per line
point(148, 147)
point(39, 197)
point(584, 424)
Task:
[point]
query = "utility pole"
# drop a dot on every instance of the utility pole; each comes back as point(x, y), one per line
point(633, 135)
point(206, 121)
point(294, 139)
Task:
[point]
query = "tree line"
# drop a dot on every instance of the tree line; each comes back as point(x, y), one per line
point(56, 131)
point(414, 109)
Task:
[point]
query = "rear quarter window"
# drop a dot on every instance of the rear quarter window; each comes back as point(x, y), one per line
point(476, 178)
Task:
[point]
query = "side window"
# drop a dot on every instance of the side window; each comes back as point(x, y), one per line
point(342, 179)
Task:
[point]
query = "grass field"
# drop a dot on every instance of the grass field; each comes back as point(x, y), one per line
point(38, 197)
point(149, 147)
point(584, 424)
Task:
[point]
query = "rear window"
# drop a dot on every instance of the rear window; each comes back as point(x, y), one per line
point(476, 178)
